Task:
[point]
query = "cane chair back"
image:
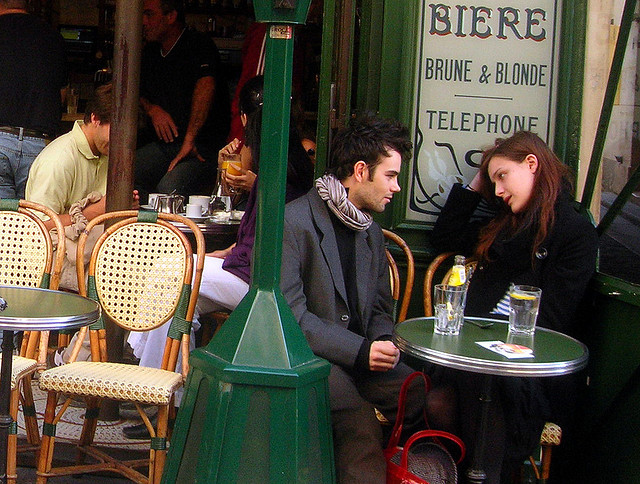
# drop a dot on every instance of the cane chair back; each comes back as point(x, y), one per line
point(27, 251)
point(400, 314)
point(27, 258)
point(123, 271)
point(141, 272)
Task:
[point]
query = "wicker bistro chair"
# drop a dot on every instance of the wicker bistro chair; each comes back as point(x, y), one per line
point(401, 314)
point(140, 271)
point(27, 259)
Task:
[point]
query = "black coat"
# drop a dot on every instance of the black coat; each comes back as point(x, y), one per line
point(561, 267)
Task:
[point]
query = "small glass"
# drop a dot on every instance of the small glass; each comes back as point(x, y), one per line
point(231, 164)
point(72, 101)
point(524, 302)
point(448, 305)
point(220, 208)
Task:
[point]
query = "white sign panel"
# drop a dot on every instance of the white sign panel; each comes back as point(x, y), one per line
point(485, 71)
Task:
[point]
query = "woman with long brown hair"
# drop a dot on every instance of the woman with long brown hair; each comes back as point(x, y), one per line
point(536, 238)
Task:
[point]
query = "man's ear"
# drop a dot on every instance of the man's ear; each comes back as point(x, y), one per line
point(172, 16)
point(94, 120)
point(360, 171)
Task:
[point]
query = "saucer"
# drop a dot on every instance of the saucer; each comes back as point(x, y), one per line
point(223, 220)
point(196, 219)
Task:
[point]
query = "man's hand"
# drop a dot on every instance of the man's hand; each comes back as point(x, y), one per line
point(188, 149)
point(135, 204)
point(163, 123)
point(383, 356)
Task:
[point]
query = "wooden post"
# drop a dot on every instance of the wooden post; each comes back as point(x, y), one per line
point(122, 147)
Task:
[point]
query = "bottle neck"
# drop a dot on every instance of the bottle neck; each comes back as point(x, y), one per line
point(217, 190)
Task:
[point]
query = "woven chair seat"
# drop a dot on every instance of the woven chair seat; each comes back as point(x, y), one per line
point(20, 367)
point(551, 434)
point(116, 381)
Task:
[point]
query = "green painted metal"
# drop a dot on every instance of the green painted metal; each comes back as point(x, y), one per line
point(9, 204)
point(256, 402)
point(607, 104)
point(570, 82)
point(369, 58)
point(334, 103)
point(282, 11)
point(324, 96)
point(400, 31)
point(609, 446)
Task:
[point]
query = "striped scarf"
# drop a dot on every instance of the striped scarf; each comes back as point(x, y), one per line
point(333, 192)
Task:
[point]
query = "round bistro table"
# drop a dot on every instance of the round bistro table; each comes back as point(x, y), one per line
point(554, 353)
point(31, 309)
point(217, 235)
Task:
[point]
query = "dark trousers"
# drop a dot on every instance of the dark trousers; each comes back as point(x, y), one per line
point(357, 433)
point(190, 177)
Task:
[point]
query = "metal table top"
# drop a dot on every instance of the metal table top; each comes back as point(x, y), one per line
point(31, 309)
point(209, 227)
point(554, 353)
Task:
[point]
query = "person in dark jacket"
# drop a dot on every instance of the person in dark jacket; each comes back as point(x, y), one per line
point(536, 238)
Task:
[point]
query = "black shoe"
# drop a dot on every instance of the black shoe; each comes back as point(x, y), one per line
point(139, 431)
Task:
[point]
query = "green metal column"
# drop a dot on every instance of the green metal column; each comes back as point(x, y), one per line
point(256, 402)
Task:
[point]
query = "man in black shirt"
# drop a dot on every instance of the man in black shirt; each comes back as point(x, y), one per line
point(32, 74)
point(186, 101)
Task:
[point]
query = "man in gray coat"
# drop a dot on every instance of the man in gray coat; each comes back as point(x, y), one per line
point(335, 277)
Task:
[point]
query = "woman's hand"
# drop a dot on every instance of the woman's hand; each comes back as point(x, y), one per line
point(231, 147)
point(221, 254)
point(240, 182)
point(477, 184)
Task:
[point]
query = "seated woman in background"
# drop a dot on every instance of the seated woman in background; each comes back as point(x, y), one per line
point(226, 273)
point(539, 239)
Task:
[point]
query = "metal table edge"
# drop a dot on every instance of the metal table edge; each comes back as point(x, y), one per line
point(500, 368)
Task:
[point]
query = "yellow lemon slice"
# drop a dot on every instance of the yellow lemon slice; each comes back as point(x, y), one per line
point(525, 297)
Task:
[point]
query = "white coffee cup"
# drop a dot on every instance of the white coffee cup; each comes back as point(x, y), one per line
point(202, 200)
point(194, 210)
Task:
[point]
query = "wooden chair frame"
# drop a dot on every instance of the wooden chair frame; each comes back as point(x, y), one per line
point(400, 315)
point(174, 343)
point(34, 343)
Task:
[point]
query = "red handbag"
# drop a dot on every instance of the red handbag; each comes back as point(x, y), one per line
point(420, 461)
